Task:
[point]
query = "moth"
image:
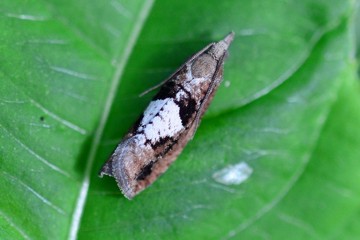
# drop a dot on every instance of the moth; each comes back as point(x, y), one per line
point(169, 122)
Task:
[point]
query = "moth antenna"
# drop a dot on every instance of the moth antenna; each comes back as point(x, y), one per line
point(152, 88)
point(177, 70)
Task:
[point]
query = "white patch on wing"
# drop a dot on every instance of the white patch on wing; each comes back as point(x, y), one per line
point(180, 95)
point(140, 139)
point(153, 108)
point(161, 119)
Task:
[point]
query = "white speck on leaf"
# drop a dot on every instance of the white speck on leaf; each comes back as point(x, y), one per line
point(233, 174)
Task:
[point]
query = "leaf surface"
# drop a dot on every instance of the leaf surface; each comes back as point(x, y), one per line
point(70, 77)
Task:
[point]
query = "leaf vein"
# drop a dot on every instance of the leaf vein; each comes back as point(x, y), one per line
point(37, 156)
point(76, 218)
point(38, 195)
point(12, 224)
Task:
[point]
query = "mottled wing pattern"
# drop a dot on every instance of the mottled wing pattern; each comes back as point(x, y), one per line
point(169, 121)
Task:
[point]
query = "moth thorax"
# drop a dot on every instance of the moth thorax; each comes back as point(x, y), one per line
point(204, 66)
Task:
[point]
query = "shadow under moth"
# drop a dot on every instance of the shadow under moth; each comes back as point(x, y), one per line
point(169, 121)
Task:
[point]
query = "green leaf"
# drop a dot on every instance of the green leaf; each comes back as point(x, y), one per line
point(70, 75)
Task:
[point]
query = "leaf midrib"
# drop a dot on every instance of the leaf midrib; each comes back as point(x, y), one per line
point(119, 69)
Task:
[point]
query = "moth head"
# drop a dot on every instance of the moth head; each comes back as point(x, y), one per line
point(220, 48)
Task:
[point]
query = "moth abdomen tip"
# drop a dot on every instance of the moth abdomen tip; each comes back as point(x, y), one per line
point(106, 170)
point(127, 192)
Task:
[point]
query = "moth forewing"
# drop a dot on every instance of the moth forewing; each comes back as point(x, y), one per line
point(169, 121)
